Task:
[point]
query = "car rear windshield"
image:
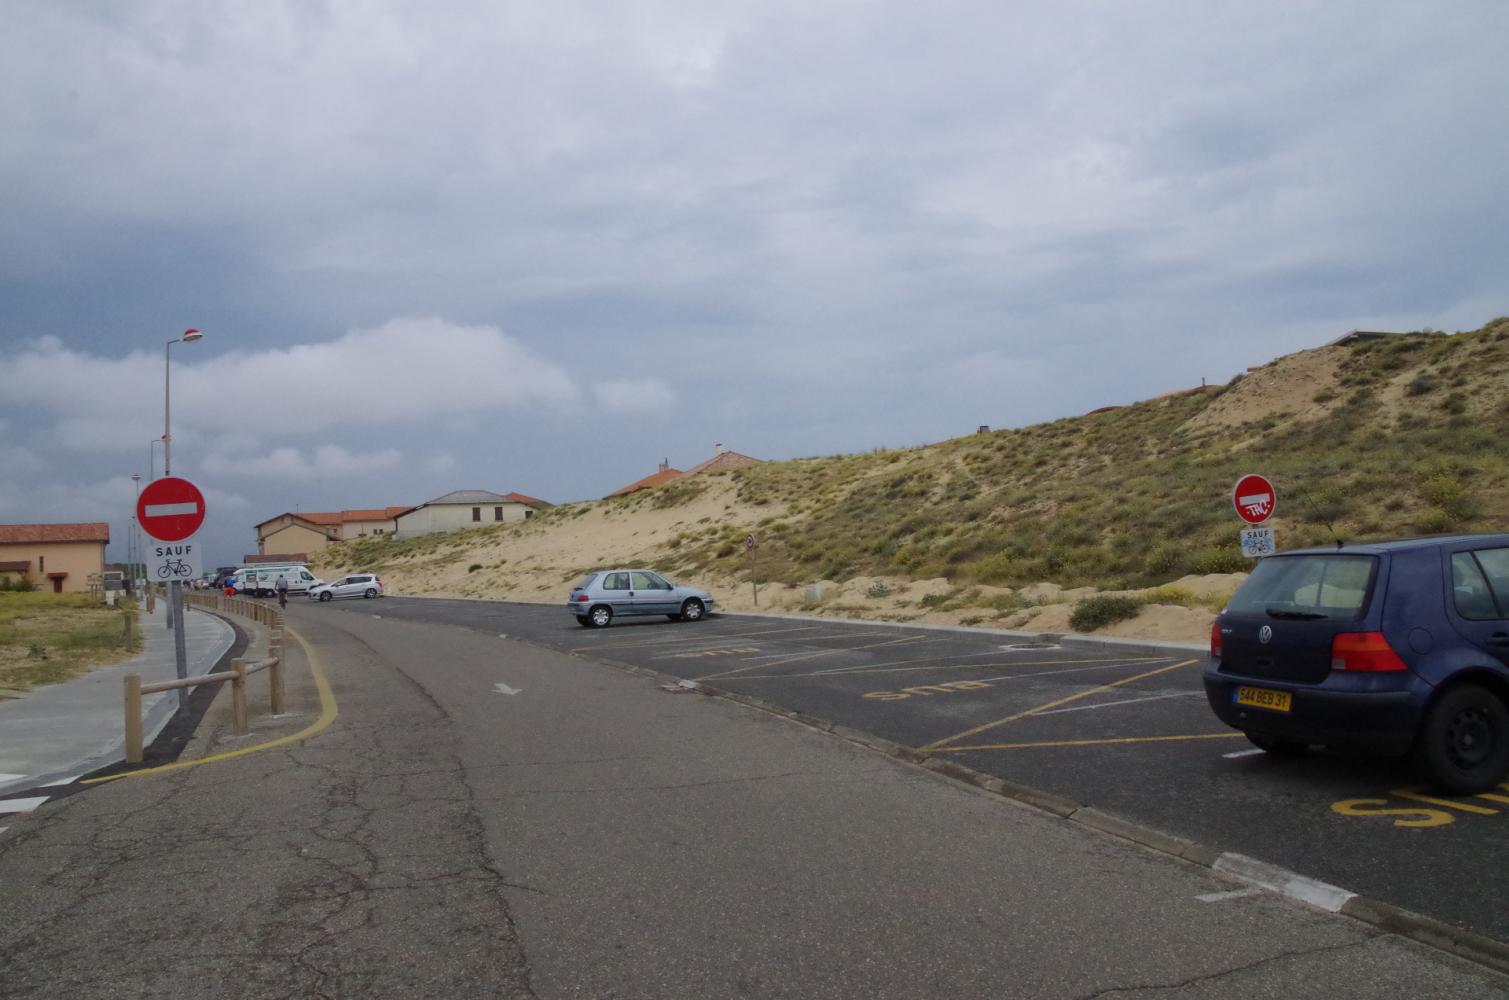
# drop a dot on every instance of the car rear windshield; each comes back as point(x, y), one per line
point(585, 581)
point(1333, 587)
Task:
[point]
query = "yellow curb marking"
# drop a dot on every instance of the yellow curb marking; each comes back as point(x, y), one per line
point(328, 712)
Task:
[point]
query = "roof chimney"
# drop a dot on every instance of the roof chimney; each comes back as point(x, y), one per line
point(718, 449)
point(665, 464)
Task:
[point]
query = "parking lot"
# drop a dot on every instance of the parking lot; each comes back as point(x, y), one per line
point(1127, 731)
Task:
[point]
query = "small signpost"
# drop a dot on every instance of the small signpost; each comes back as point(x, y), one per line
point(1255, 499)
point(170, 510)
point(749, 546)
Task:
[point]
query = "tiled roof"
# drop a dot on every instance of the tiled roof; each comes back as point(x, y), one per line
point(331, 518)
point(276, 557)
point(23, 534)
point(379, 514)
point(468, 496)
point(527, 501)
point(721, 461)
point(648, 482)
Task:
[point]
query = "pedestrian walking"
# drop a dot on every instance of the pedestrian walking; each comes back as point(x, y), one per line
point(282, 587)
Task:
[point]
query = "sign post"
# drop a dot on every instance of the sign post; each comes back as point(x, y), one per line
point(1255, 499)
point(170, 510)
point(754, 580)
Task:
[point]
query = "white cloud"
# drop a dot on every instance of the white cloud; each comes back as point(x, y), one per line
point(404, 371)
point(634, 395)
point(325, 462)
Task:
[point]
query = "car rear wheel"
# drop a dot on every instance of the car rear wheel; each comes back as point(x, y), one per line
point(1464, 742)
point(600, 616)
point(1277, 747)
point(326, 596)
point(370, 593)
point(691, 609)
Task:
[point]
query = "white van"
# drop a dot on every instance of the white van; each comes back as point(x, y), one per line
point(262, 580)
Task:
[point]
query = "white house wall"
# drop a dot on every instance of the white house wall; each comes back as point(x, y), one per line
point(434, 518)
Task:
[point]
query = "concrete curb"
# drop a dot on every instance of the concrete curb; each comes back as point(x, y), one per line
point(1113, 644)
point(1388, 918)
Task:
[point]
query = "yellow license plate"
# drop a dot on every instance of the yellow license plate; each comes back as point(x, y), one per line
point(1277, 701)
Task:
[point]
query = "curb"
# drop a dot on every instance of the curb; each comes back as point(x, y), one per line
point(1112, 644)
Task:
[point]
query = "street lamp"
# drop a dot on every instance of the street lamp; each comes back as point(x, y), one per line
point(152, 458)
point(189, 336)
point(135, 540)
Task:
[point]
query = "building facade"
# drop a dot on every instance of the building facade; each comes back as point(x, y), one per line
point(56, 557)
point(464, 509)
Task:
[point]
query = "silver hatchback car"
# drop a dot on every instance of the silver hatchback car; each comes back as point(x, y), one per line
point(602, 596)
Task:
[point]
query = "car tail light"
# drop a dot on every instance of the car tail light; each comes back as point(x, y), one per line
point(1364, 651)
point(581, 597)
point(1215, 640)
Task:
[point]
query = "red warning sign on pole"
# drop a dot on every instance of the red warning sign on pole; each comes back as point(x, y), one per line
point(1254, 498)
point(170, 509)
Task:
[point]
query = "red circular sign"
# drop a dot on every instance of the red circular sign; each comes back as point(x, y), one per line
point(170, 509)
point(1254, 498)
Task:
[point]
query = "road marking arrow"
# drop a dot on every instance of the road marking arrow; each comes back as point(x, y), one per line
point(505, 689)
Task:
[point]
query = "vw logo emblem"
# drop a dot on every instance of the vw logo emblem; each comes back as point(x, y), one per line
point(1265, 634)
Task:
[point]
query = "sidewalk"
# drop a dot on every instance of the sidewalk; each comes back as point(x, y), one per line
point(58, 732)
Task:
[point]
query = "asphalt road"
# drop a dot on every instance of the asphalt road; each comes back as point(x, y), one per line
point(475, 816)
point(1130, 734)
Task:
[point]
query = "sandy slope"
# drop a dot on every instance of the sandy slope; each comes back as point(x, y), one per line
point(538, 562)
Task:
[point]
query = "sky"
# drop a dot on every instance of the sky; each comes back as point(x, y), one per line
point(541, 247)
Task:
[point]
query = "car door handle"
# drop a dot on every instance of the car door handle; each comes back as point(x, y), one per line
point(1499, 639)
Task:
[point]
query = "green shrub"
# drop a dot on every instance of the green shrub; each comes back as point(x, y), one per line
point(877, 589)
point(1095, 612)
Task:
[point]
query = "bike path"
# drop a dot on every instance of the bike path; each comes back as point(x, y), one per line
point(55, 733)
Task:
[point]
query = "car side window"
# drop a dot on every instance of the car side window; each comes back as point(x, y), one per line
point(616, 581)
point(1470, 589)
point(644, 581)
point(658, 582)
point(1495, 566)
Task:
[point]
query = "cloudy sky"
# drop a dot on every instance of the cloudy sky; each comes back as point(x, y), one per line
point(542, 246)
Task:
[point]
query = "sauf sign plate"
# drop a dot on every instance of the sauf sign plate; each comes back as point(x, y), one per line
point(173, 560)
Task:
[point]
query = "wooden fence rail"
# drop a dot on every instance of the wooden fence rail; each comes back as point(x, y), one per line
point(241, 669)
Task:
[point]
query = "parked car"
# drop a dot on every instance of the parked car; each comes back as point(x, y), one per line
point(600, 597)
point(355, 585)
point(1395, 648)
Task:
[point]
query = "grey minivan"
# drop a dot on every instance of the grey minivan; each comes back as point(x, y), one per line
point(602, 596)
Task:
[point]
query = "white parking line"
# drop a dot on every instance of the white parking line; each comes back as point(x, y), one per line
point(1124, 701)
point(1242, 753)
point(20, 805)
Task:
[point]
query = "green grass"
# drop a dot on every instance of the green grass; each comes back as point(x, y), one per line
point(46, 638)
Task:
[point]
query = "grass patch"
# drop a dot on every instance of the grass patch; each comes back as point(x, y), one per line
point(1096, 612)
point(46, 638)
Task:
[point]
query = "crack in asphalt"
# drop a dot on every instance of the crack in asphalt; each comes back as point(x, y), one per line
point(1233, 971)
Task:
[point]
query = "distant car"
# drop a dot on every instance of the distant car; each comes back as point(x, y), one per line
point(355, 585)
point(1394, 648)
point(600, 597)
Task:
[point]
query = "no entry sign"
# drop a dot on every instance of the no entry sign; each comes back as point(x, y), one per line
point(1254, 498)
point(170, 509)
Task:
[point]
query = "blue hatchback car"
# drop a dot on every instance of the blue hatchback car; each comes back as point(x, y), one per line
point(1399, 647)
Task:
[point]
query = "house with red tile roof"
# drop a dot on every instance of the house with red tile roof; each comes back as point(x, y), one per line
point(56, 557)
point(722, 461)
point(311, 531)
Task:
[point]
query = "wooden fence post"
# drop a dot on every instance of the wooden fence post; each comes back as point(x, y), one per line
point(238, 698)
point(275, 676)
point(133, 719)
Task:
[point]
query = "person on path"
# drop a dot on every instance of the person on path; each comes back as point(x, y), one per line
point(282, 591)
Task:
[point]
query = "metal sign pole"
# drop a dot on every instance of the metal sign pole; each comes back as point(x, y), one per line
point(180, 654)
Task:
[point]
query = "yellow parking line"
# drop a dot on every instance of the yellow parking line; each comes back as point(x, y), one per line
point(1079, 743)
point(1054, 704)
point(809, 656)
point(328, 711)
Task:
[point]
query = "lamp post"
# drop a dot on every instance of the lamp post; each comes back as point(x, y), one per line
point(152, 458)
point(175, 589)
point(189, 336)
point(134, 542)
